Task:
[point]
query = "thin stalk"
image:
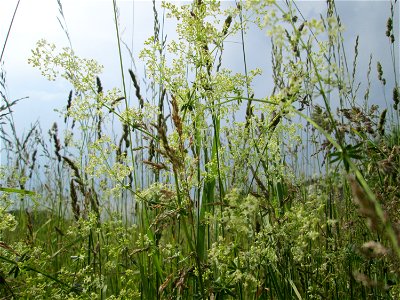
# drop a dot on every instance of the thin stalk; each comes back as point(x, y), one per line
point(123, 85)
point(9, 30)
point(189, 237)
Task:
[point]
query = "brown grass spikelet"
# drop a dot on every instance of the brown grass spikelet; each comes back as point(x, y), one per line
point(175, 116)
point(301, 27)
point(364, 280)
point(180, 282)
point(124, 138)
point(167, 194)
point(381, 124)
point(165, 283)
point(99, 131)
point(74, 200)
point(386, 166)
point(32, 165)
point(151, 150)
point(125, 135)
point(99, 86)
point(69, 102)
point(389, 165)
point(227, 24)
point(155, 166)
point(8, 248)
point(72, 165)
point(137, 88)
point(365, 205)
point(380, 73)
point(389, 26)
point(169, 152)
point(396, 97)
point(373, 249)
point(114, 103)
point(91, 197)
point(275, 119)
point(57, 144)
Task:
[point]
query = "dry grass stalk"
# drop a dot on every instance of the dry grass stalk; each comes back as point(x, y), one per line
point(169, 152)
point(389, 165)
point(180, 283)
point(365, 205)
point(72, 165)
point(227, 24)
point(69, 102)
point(99, 86)
point(137, 88)
point(155, 166)
point(57, 144)
point(32, 165)
point(260, 183)
point(381, 124)
point(8, 248)
point(396, 97)
point(99, 131)
point(175, 116)
point(151, 150)
point(74, 200)
point(124, 138)
point(165, 283)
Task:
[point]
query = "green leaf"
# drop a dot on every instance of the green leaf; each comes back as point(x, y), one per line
point(16, 191)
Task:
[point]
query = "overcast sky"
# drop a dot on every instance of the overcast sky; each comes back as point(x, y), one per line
point(91, 27)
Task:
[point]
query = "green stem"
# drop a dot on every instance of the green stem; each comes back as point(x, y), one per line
point(123, 84)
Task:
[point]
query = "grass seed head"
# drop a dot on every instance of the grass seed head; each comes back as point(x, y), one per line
point(373, 249)
point(175, 116)
point(396, 97)
point(365, 205)
point(382, 120)
point(99, 86)
point(74, 200)
point(137, 88)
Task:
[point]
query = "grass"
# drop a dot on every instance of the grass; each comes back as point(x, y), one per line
point(163, 194)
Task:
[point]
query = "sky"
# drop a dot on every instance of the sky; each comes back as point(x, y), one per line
point(92, 31)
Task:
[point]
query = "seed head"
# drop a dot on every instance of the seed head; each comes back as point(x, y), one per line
point(389, 27)
point(396, 97)
point(381, 125)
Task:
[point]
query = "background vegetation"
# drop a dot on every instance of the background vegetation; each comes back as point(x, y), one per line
point(198, 189)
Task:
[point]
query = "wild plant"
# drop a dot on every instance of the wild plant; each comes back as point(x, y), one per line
point(202, 191)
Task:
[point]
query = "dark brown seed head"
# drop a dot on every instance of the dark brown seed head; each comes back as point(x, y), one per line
point(175, 116)
point(74, 201)
point(396, 97)
point(380, 71)
point(68, 105)
point(99, 86)
point(382, 120)
point(137, 88)
point(389, 27)
point(365, 205)
point(73, 166)
point(227, 24)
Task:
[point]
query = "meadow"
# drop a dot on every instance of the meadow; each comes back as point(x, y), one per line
point(189, 186)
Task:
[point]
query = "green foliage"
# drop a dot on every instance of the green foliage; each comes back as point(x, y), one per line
point(205, 191)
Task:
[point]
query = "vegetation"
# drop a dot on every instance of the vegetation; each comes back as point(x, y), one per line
point(205, 190)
